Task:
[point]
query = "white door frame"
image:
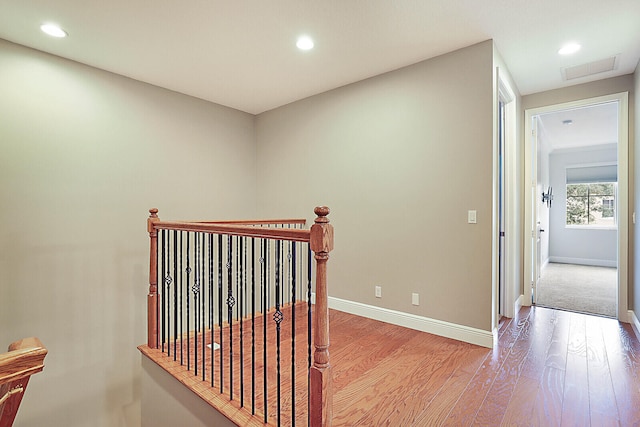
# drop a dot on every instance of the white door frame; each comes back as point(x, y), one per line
point(530, 193)
point(510, 201)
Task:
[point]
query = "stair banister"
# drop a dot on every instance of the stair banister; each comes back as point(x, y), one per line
point(152, 297)
point(24, 358)
point(321, 243)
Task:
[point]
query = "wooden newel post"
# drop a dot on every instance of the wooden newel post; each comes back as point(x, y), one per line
point(152, 297)
point(321, 393)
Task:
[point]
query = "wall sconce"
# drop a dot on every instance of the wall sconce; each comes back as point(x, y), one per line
point(548, 197)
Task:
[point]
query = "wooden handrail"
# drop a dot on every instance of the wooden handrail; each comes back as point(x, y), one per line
point(292, 221)
point(24, 358)
point(232, 229)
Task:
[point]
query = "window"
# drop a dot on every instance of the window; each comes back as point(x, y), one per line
point(591, 204)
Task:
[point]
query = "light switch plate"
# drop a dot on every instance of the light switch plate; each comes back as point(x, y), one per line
point(472, 217)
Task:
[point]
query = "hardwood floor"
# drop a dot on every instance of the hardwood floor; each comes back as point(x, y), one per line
point(550, 368)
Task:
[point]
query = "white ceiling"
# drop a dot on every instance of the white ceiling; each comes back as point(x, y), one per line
point(242, 54)
point(595, 125)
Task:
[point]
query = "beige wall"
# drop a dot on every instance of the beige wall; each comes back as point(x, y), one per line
point(85, 154)
point(399, 158)
point(166, 402)
point(592, 90)
point(579, 92)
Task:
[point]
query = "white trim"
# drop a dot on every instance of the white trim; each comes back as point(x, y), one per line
point(623, 203)
point(519, 303)
point(530, 197)
point(412, 321)
point(505, 93)
point(544, 264)
point(590, 227)
point(635, 323)
point(623, 185)
point(584, 261)
point(511, 281)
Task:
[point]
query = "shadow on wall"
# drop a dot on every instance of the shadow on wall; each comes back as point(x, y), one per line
point(88, 303)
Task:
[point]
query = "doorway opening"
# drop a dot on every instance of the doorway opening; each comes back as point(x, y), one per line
point(576, 207)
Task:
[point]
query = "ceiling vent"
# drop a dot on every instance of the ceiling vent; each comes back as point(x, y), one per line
point(590, 68)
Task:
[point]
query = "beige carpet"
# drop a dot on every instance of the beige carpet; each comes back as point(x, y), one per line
point(581, 288)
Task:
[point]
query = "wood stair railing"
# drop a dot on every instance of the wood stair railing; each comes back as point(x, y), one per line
point(320, 240)
point(24, 358)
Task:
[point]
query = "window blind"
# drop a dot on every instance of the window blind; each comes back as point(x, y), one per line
point(592, 174)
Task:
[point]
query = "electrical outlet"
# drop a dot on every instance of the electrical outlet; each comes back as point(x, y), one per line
point(378, 291)
point(415, 299)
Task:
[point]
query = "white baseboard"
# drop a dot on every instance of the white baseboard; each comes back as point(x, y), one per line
point(635, 322)
point(544, 264)
point(412, 321)
point(584, 261)
point(519, 303)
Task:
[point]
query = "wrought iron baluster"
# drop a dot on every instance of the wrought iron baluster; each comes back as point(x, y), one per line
point(169, 282)
point(237, 282)
point(278, 317)
point(196, 291)
point(262, 275)
point(241, 316)
point(230, 303)
point(202, 304)
point(181, 299)
point(245, 271)
point(188, 271)
point(253, 325)
point(163, 289)
point(211, 324)
point(288, 256)
point(293, 334)
point(175, 294)
point(265, 269)
point(220, 284)
point(268, 286)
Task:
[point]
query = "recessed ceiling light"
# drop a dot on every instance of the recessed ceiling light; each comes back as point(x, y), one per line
point(569, 48)
point(53, 30)
point(304, 43)
point(567, 122)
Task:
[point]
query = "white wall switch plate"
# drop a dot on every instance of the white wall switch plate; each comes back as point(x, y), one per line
point(472, 217)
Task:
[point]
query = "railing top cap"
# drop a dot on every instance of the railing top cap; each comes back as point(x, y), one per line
point(322, 212)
